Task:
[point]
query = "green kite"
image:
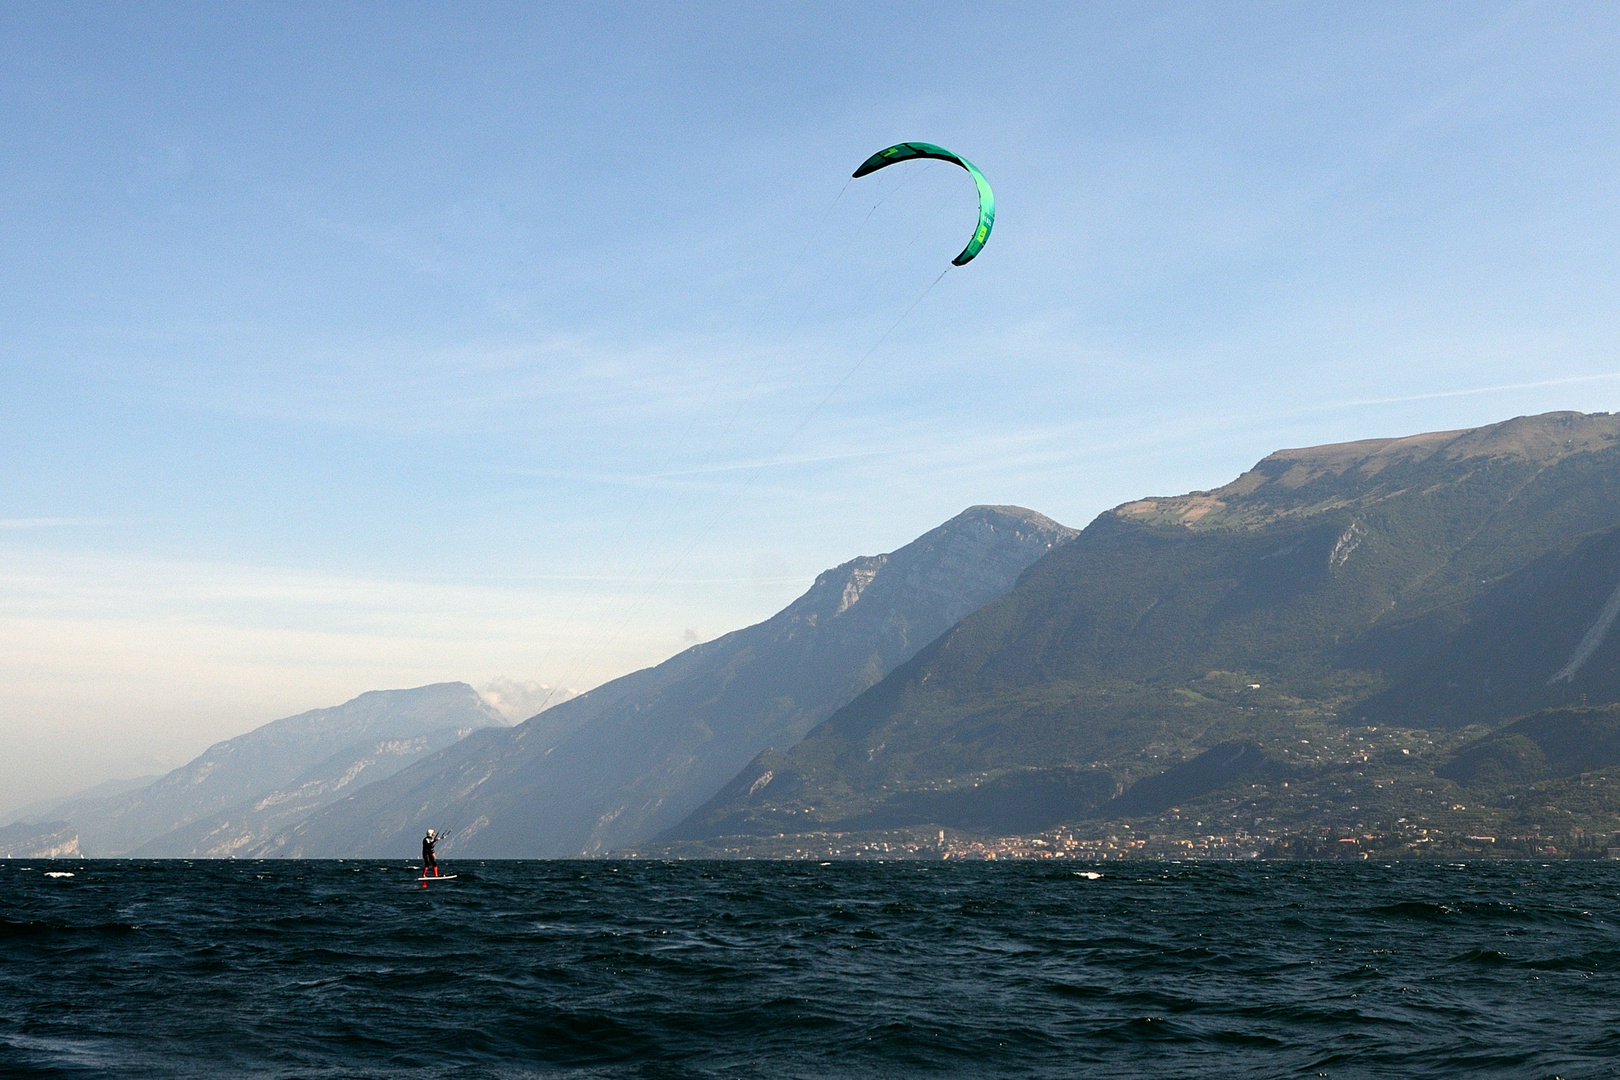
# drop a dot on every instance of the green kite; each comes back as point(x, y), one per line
point(987, 200)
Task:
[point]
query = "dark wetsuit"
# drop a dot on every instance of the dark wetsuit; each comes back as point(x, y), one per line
point(429, 861)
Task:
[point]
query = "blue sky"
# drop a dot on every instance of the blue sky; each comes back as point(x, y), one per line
point(352, 346)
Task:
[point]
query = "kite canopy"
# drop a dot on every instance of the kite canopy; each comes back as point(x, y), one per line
point(906, 151)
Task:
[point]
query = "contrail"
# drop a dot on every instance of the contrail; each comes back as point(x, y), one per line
point(1472, 391)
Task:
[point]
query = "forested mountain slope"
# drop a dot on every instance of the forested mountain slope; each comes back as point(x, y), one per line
point(1432, 582)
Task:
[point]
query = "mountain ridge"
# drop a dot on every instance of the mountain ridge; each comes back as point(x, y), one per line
point(1327, 588)
point(621, 762)
point(253, 766)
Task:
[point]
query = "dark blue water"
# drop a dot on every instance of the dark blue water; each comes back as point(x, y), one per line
point(175, 969)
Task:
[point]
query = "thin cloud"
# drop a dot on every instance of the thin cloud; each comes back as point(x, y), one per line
point(1474, 391)
point(19, 524)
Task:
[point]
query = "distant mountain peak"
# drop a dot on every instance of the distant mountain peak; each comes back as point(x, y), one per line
point(296, 763)
point(992, 514)
point(960, 548)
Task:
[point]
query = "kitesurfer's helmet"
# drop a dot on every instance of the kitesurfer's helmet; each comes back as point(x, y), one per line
point(430, 832)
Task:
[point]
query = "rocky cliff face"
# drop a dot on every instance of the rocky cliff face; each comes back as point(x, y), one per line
point(634, 756)
point(46, 840)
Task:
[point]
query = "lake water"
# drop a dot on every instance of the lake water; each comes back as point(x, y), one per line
point(750, 969)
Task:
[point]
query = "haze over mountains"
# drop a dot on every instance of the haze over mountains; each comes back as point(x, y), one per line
point(612, 766)
point(633, 757)
point(241, 790)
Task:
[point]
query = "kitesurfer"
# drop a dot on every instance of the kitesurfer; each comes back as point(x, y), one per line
point(430, 862)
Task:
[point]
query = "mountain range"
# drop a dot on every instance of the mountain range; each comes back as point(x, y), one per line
point(241, 791)
point(610, 767)
point(615, 766)
point(1393, 646)
point(1328, 609)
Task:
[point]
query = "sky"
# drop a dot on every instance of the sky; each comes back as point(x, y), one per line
point(355, 346)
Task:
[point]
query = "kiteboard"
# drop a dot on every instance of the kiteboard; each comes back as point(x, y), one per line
point(440, 877)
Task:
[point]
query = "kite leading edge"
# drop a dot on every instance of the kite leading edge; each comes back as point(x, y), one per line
point(906, 151)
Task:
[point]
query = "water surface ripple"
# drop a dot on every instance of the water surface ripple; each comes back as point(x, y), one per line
point(601, 969)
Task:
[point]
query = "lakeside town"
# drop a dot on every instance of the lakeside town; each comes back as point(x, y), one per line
point(1420, 842)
